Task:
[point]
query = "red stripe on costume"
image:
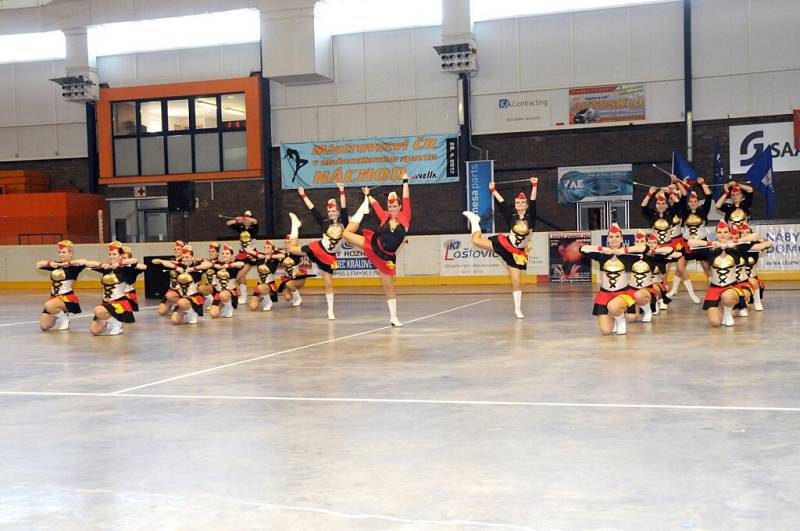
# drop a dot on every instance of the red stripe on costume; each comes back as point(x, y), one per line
point(604, 297)
point(503, 239)
point(67, 297)
point(321, 254)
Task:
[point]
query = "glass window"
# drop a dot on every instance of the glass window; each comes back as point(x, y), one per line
point(233, 111)
point(206, 152)
point(179, 149)
point(151, 116)
point(25, 47)
point(152, 148)
point(125, 157)
point(124, 118)
point(178, 115)
point(234, 150)
point(205, 113)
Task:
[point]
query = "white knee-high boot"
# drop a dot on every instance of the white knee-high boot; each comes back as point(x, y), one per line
point(690, 290)
point(329, 300)
point(517, 295)
point(392, 304)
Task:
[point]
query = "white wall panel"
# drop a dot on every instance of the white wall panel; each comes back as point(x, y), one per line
point(198, 63)
point(71, 140)
point(391, 119)
point(719, 37)
point(348, 64)
point(239, 60)
point(8, 114)
point(775, 39)
point(428, 79)
point(157, 66)
point(294, 125)
point(277, 94)
point(116, 70)
point(34, 93)
point(545, 49)
point(497, 56)
point(656, 42)
point(437, 116)
point(664, 101)
point(601, 43)
point(8, 143)
point(37, 142)
point(349, 121)
point(389, 65)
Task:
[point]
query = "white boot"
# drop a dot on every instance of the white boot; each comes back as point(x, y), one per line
point(657, 309)
point(297, 300)
point(392, 304)
point(242, 293)
point(743, 312)
point(113, 327)
point(474, 221)
point(227, 310)
point(727, 316)
point(676, 282)
point(190, 317)
point(757, 300)
point(663, 305)
point(517, 304)
point(620, 325)
point(690, 291)
point(265, 304)
point(296, 223)
point(647, 313)
point(362, 211)
point(62, 321)
point(208, 301)
point(329, 299)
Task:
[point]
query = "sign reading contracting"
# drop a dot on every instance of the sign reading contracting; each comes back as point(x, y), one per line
point(523, 111)
point(427, 159)
point(612, 103)
point(595, 183)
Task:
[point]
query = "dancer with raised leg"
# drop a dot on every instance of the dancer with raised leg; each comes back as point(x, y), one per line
point(693, 213)
point(513, 247)
point(381, 247)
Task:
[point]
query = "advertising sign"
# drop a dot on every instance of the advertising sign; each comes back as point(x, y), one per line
point(428, 159)
point(747, 141)
point(595, 183)
point(460, 258)
point(611, 103)
point(523, 111)
point(353, 262)
point(785, 253)
point(567, 264)
point(479, 199)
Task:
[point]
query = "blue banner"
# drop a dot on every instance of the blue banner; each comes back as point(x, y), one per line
point(682, 169)
point(760, 175)
point(479, 199)
point(595, 183)
point(426, 159)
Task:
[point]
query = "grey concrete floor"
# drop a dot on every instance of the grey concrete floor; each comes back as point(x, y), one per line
point(466, 418)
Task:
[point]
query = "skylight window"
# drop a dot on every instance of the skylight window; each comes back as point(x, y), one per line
point(26, 47)
point(494, 9)
point(355, 16)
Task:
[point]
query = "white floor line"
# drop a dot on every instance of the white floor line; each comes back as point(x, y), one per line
point(295, 349)
point(171, 497)
point(410, 401)
point(83, 314)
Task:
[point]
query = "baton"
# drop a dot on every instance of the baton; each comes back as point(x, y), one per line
point(662, 170)
point(514, 181)
point(224, 217)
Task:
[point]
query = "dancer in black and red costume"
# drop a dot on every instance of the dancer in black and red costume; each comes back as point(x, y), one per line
point(116, 308)
point(738, 210)
point(267, 264)
point(62, 301)
point(322, 252)
point(247, 227)
point(692, 213)
point(381, 247)
point(136, 269)
point(513, 247)
point(189, 273)
point(616, 297)
point(170, 298)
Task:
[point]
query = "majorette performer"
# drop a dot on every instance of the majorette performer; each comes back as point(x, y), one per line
point(751, 267)
point(226, 296)
point(171, 296)
point(135, 269)
point(116, 307)
point(381, 247)
point(616, 297)
point(267, 265)
point(62, 301)
point(659, 215)
point(737, 211)
point(512, 248)
point(659, 264)
point(723, 256)
point(295, 273)
point(207, 288)
point(692, 213)
point(190, 272)
point(642, 280)
point(322, 252)
point(246, 254)
point(245, 223)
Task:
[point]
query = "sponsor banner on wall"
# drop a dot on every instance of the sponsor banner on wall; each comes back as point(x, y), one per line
point(479, 199)
point(353, 263)
point(595, 183)
point(747, 141)
point(567, 264)
point(460, 258)
point(785, 253)
point(428, 159)
point(523, 111)
point(610, 103)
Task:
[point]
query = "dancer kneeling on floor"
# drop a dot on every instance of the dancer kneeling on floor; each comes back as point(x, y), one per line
point(512, 248)
point(267, 263)
point(226, 295)
point(381, 247)
point(642, 276)
point(62, 301)
point(118, 274)
point(616, 297)
point(190, 272)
